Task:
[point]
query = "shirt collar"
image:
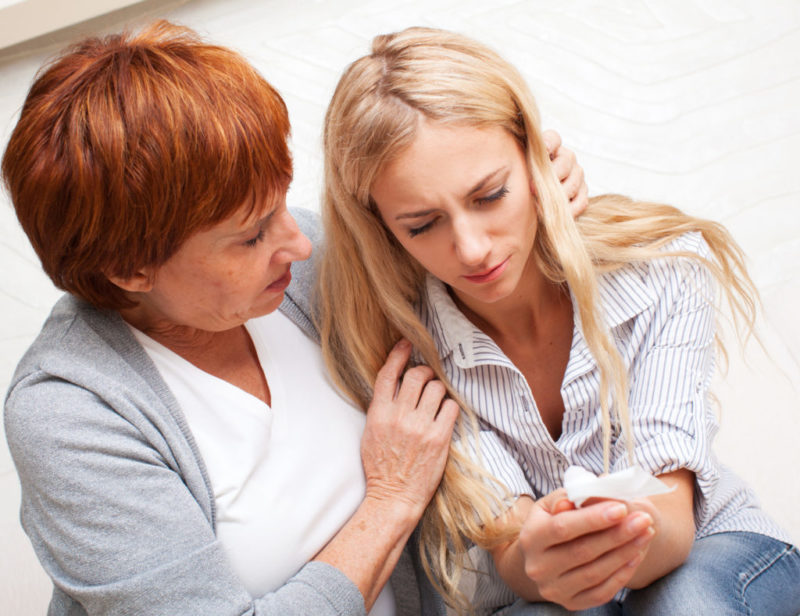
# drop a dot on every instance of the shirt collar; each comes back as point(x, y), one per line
point(451, 330)
point(623, 294)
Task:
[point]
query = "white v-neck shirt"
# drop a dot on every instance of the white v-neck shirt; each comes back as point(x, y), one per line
point(285, 477)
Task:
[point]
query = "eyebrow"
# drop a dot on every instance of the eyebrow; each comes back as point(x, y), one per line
point(256, 224)
point(478, 187)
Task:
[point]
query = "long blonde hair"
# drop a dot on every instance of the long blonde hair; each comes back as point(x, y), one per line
point(369, 285)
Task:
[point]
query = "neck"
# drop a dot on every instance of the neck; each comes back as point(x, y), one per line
point(523, 314)
point(180, 339)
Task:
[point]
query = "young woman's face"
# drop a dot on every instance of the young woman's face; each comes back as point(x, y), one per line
point(229, 273)
point(459, 200)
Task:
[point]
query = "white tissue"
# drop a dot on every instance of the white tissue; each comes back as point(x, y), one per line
point(628, 484)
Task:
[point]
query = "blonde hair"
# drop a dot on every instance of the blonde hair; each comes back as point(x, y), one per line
point(369, 285)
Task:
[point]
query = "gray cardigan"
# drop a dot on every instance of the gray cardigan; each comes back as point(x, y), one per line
point(115, 495)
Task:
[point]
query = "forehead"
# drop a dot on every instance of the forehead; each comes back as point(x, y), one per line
point(445, 158)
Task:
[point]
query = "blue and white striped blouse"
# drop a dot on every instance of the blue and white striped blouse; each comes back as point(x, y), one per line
point(661, 315)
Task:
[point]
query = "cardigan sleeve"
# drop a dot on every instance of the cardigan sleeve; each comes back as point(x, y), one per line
point(115, 507)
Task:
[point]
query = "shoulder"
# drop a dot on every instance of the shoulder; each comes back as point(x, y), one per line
point(298, 303)
point(82, 361)
point(309, 222)
point(680, 270)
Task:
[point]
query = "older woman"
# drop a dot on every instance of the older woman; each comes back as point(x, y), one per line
point(179, 447)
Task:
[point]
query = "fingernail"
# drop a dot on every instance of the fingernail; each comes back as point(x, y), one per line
point(403, 344)
point(635, 562)
point(645, 537)
point(639, 523)
point(615, 512)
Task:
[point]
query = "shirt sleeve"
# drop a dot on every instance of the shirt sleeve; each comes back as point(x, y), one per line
point(488, 452)
point(669, 403)
point(113, 522)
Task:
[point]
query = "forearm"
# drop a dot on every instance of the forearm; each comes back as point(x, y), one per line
point(369, 545)
point(674, 533)
point(509, 559)
point(510, 564)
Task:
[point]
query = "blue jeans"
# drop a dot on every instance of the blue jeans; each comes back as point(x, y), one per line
point(727, 574)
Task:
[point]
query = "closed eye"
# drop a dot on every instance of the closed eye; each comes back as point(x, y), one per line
point(255, 240)
point(421, 229)
point(495, 196)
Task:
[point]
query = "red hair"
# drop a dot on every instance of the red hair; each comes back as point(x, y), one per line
point(128, 145)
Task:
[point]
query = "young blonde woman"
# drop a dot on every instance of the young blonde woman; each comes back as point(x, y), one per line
point(586, 343)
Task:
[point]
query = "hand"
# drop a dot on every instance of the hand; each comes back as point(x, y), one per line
point(580, 558)
point(407, 436)
point(568, 171)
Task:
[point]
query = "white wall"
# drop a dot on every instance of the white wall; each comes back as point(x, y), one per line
point(21, 20)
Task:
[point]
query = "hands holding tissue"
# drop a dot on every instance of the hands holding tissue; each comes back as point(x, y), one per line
point(580, 545)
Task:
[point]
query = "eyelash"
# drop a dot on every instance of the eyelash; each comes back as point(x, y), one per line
point(482, 201)
point(252, 242)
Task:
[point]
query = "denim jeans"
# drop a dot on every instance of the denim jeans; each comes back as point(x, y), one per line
point(727, 574)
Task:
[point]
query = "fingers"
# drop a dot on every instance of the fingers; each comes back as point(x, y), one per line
point(579, 203)
point(412, 384)
point(565, 163)
point(551, 501)
point(391, 371)
point(432, 396)
point(573, 183)
point(571, 176)
point(592, 548)
point(600, 586)
point(580, 558)
point(552, 141)
point(570, 525)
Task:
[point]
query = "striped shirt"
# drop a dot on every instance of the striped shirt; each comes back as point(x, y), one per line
point(661, 316)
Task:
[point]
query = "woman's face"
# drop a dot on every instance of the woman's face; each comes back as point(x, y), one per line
point(227, 274)
point(459, 200)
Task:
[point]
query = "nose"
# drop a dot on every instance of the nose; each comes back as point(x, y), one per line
point(295, 246)
point(471, 243)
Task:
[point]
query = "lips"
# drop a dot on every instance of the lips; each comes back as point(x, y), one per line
point(488, 275)
point(281, 283)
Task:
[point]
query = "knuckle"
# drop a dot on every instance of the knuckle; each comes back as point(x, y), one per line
point(592, 578)
point(580, 553)
point(450, 407)
point(526, 537)
point(571, 605)
point(436, 388)
point(598, 596)
point(535, 571)
point(419, 374)
point(560, 529)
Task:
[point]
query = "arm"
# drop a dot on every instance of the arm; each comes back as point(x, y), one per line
point(672, 422)
point(673, 523)
point(121, 518)
point(668, 408)
point(404, 450)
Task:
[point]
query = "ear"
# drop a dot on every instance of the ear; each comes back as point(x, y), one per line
point(140, 282)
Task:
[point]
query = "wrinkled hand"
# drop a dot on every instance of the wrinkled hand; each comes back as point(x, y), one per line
point(568, 171)
point(580, 558)
point(407, 435)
